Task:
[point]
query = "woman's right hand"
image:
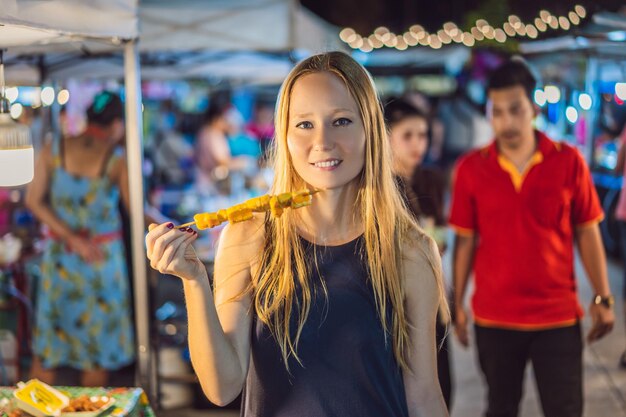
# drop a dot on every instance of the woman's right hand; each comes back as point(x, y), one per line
point(170, 252)
point(90, 252)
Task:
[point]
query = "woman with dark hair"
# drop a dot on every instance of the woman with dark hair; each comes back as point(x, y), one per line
point(83, 310)
point(423, 190)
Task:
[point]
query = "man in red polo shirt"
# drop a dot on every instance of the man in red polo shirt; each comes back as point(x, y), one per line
point(518, 206)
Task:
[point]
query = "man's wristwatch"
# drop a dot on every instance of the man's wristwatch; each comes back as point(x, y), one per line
point(607, 301)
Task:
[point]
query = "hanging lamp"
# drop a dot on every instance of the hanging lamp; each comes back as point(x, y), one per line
point(16, 147)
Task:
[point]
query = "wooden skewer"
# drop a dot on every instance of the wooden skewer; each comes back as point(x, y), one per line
point(185, 225)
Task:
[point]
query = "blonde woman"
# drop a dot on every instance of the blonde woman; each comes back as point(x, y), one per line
point(328, 310)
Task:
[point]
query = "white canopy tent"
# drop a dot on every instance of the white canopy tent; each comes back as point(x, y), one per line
point(221, 39)
point(229, 25)
point(33, 22)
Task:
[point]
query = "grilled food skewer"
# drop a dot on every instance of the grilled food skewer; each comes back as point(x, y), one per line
point(276, 204)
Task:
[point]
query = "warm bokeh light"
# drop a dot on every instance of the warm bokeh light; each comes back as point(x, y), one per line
point(468, 40)
point(444, 37)
point(63, 97)
point(499, 35)
point(435, 42)
point(480, 23)
point(450, 32)
point(554, 22)
point(357, 43)
point(477, 34)
point(541, 25)
point(346, 33)
point(509, 29)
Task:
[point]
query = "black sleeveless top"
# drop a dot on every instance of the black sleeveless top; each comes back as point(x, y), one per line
point(348, 368)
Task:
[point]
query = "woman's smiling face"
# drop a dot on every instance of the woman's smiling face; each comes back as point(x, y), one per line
point(325, 134)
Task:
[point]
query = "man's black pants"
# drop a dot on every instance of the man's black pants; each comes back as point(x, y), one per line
point(556, 356)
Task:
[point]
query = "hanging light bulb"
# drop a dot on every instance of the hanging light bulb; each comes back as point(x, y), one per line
point(16, 147)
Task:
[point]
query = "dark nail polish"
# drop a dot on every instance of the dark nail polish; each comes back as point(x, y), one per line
point(189, 230)
point(170, 225)
point(182, 229)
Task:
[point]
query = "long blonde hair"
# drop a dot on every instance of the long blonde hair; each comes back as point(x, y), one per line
point(387, 222)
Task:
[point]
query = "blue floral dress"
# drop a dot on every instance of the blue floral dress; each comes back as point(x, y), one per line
point(83, 316)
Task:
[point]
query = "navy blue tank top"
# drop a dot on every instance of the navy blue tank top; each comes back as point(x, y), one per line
point(348, 368)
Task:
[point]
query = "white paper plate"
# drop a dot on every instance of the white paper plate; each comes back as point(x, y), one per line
point(95, 413)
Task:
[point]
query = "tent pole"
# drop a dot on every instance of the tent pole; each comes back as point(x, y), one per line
point(134, 145)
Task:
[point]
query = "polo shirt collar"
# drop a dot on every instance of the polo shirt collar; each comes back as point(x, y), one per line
point(544, 147)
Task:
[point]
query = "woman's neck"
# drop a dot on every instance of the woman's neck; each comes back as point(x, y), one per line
point(333, 218)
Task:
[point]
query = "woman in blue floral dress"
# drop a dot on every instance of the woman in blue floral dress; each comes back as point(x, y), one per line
point(83, 317)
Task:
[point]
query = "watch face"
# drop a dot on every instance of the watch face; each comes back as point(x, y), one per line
point(607, 301)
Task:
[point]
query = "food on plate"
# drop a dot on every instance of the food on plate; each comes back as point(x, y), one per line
point(86, 403)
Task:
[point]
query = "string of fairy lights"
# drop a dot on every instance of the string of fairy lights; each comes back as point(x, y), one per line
point(451, 33)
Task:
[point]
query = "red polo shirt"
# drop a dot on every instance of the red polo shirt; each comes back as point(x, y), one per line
point(524, 260)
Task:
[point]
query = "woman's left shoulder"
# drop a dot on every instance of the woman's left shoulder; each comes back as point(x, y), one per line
point(420, 259)
point(417, 245)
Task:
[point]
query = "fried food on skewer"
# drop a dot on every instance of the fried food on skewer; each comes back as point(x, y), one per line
point(276, 204)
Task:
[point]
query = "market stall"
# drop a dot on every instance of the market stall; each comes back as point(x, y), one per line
point(34, 27)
